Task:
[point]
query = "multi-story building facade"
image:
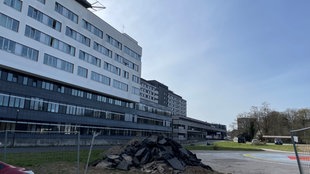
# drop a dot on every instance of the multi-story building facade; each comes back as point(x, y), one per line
point(185, 128)
point(176, 104)
point(64, 68)
point(148, 91)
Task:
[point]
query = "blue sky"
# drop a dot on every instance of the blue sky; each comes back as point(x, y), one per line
point(222, 56)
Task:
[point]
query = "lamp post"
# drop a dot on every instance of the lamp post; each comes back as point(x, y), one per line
point(16, 118)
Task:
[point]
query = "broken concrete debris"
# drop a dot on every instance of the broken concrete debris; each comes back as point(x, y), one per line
point(152, 154)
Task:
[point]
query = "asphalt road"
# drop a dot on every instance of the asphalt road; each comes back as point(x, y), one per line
point(249, 162)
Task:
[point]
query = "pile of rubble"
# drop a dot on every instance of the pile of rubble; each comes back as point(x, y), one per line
point(153, 154)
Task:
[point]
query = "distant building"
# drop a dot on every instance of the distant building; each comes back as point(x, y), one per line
point(177, 104)
point(185, 128)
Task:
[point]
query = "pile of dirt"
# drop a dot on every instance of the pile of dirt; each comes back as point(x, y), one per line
point(155, 154)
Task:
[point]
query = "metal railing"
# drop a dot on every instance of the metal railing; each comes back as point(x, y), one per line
point(301, 143)
point(46, 147)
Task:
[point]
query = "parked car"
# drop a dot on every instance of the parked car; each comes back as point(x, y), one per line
point(278, 141)
point(9, 169)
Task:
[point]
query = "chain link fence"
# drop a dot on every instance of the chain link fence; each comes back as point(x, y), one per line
point(301, 142)
point(46, 152)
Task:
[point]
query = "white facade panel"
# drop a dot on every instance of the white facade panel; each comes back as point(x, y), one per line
point(39, 68)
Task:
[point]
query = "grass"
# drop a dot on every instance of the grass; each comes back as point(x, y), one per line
point(43, 158)
point(229, 145)
point(39, 158)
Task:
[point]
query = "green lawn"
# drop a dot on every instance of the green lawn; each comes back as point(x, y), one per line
point(229, 145)
point(37, 159)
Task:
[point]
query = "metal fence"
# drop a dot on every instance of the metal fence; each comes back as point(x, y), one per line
point(53, 149)
point(301, 142)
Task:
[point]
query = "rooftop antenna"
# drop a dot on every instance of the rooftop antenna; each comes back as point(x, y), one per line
point(96, 5)
point(123, 29)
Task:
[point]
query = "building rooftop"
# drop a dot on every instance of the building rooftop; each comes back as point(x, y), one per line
point(84, 3)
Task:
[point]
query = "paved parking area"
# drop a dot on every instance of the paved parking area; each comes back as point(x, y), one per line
point(248, 162)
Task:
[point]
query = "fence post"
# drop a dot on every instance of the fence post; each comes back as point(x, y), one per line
point(5, 144)
point(90, 149)
point(296, 153)
point(78, 152)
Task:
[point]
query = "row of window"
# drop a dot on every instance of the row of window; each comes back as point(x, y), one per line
point(102, 49)
point(77, 36)
point(43, 18)
point(35, 34)
point(16, 4)
point(114, 42)
point(58, 63)
point(66, 12)
point(53, 23)
point(18, 49)
point(120, 85)
point(8, 22)
point(89, 58)
point(126, 62)
point(49, 40)
point(39, 104)
point(24, 51)
point(72, 129)
point(132, 53)
point(93, 29)
point(38, 83)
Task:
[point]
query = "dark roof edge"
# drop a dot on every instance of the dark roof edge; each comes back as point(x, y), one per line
point(84, 3)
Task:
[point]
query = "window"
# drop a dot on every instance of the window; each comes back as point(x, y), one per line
point(52, 107)
point(131, 53)
point(100, 78)
point(90, 27)
point(135, 90)
point(16, 102)
point(25, 80)
point(16, 4)
point(120, 85)
point(125, 74)
point(114, 42)
point(89, 58)
point(58, 63)
point(60, 89)
point(89, 95)
point(112, 68)
point(36, 104)
point(103, 50)
point(82, 72)
point(136, 79)
point(101, 98)
point(126, 62)
point(49, 40)
point(4, 100)
point(76, 92)
point(47, 85)
point(66, 12)
point(77, 36)
point(71, 110)
point(8, 22)
point(12, 77)
point(43, 18)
